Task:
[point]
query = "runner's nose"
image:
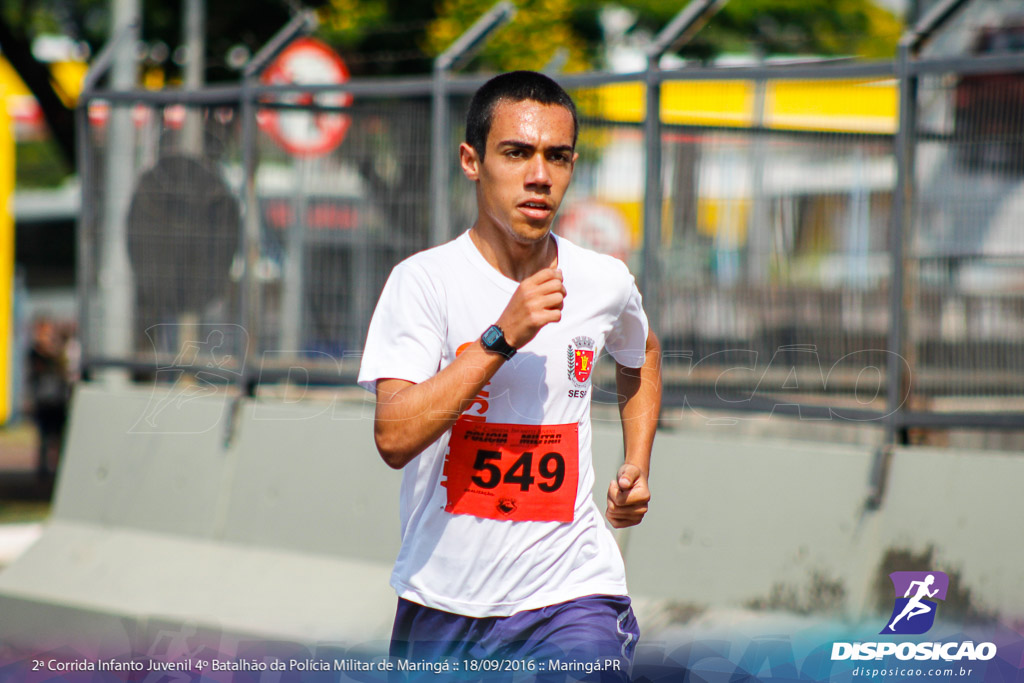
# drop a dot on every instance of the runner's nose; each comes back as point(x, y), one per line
point(537, 172)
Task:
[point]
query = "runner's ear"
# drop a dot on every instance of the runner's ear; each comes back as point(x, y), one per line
point(470, 161)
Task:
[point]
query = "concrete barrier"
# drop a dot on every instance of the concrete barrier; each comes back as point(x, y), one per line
point(775, 524)
point(277, 520)
point(288, 532)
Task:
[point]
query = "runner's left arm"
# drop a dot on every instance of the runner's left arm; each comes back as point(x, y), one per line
point(639, 392)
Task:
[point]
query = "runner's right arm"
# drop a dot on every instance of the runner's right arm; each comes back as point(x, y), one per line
point(409, 416)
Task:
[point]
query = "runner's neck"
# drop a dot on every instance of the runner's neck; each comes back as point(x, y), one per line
point(515, 260)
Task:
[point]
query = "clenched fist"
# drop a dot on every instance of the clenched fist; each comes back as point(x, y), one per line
point(536, 302)
point(628, 497)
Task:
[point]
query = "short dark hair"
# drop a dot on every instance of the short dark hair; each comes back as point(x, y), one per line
point(514, 86)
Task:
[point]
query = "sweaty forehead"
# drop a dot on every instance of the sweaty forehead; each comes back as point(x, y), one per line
point(532, 122)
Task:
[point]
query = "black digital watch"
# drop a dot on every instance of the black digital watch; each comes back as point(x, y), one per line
point(493, 339)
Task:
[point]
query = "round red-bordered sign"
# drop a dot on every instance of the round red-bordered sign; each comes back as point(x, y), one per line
point(307, 61)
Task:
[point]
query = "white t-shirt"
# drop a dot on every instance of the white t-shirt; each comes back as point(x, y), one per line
point(440, 299)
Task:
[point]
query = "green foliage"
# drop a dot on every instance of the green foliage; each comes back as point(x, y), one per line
point(822, 27)
point(80, 20)
point(348, 22)
point(250, 23)
point(534, 37)
point(39, 164)
point(380, 37)
point(569, 31)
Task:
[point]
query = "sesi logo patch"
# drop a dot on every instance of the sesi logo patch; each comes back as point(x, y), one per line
point(580, 356)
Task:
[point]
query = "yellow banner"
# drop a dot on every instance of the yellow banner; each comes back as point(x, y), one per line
point(845, 105)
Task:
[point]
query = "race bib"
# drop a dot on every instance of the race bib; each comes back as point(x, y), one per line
point(510, 471)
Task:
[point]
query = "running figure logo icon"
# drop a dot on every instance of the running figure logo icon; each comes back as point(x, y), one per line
point(914, 612)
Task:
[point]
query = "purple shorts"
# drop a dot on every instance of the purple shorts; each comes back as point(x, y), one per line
point(591, 638)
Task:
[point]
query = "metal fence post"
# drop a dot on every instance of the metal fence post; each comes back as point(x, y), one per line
point(116, 277)
point(439, 213)
point(677, 32)
point(650, 275)
point(900, 300)
point(85, 225)
point(83, 233)
point(898, 382)
point(251, 237)
point(901, 219)
point(447, 61)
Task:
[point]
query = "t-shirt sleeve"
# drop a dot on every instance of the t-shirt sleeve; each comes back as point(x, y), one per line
point(627, 341)
point(406, 332)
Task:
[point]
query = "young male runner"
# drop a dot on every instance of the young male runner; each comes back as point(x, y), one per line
point(481, 353)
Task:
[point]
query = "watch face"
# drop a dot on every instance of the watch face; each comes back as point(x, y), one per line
point(491, 335)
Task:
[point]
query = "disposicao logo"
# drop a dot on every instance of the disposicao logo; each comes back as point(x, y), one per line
point(913, 614)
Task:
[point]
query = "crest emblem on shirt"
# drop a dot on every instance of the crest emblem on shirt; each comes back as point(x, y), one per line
point(580, 356)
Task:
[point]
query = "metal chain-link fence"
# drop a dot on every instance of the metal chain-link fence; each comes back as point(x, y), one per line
point(208, 241)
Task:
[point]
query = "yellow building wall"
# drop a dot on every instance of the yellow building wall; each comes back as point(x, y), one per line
point(6, 260)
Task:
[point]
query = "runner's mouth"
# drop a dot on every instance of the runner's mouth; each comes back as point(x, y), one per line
point(535, 209)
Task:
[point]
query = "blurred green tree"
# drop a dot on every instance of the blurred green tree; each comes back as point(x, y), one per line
point(859, 28)
point(88, 22)
point(389, 37)
point(385, 36)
